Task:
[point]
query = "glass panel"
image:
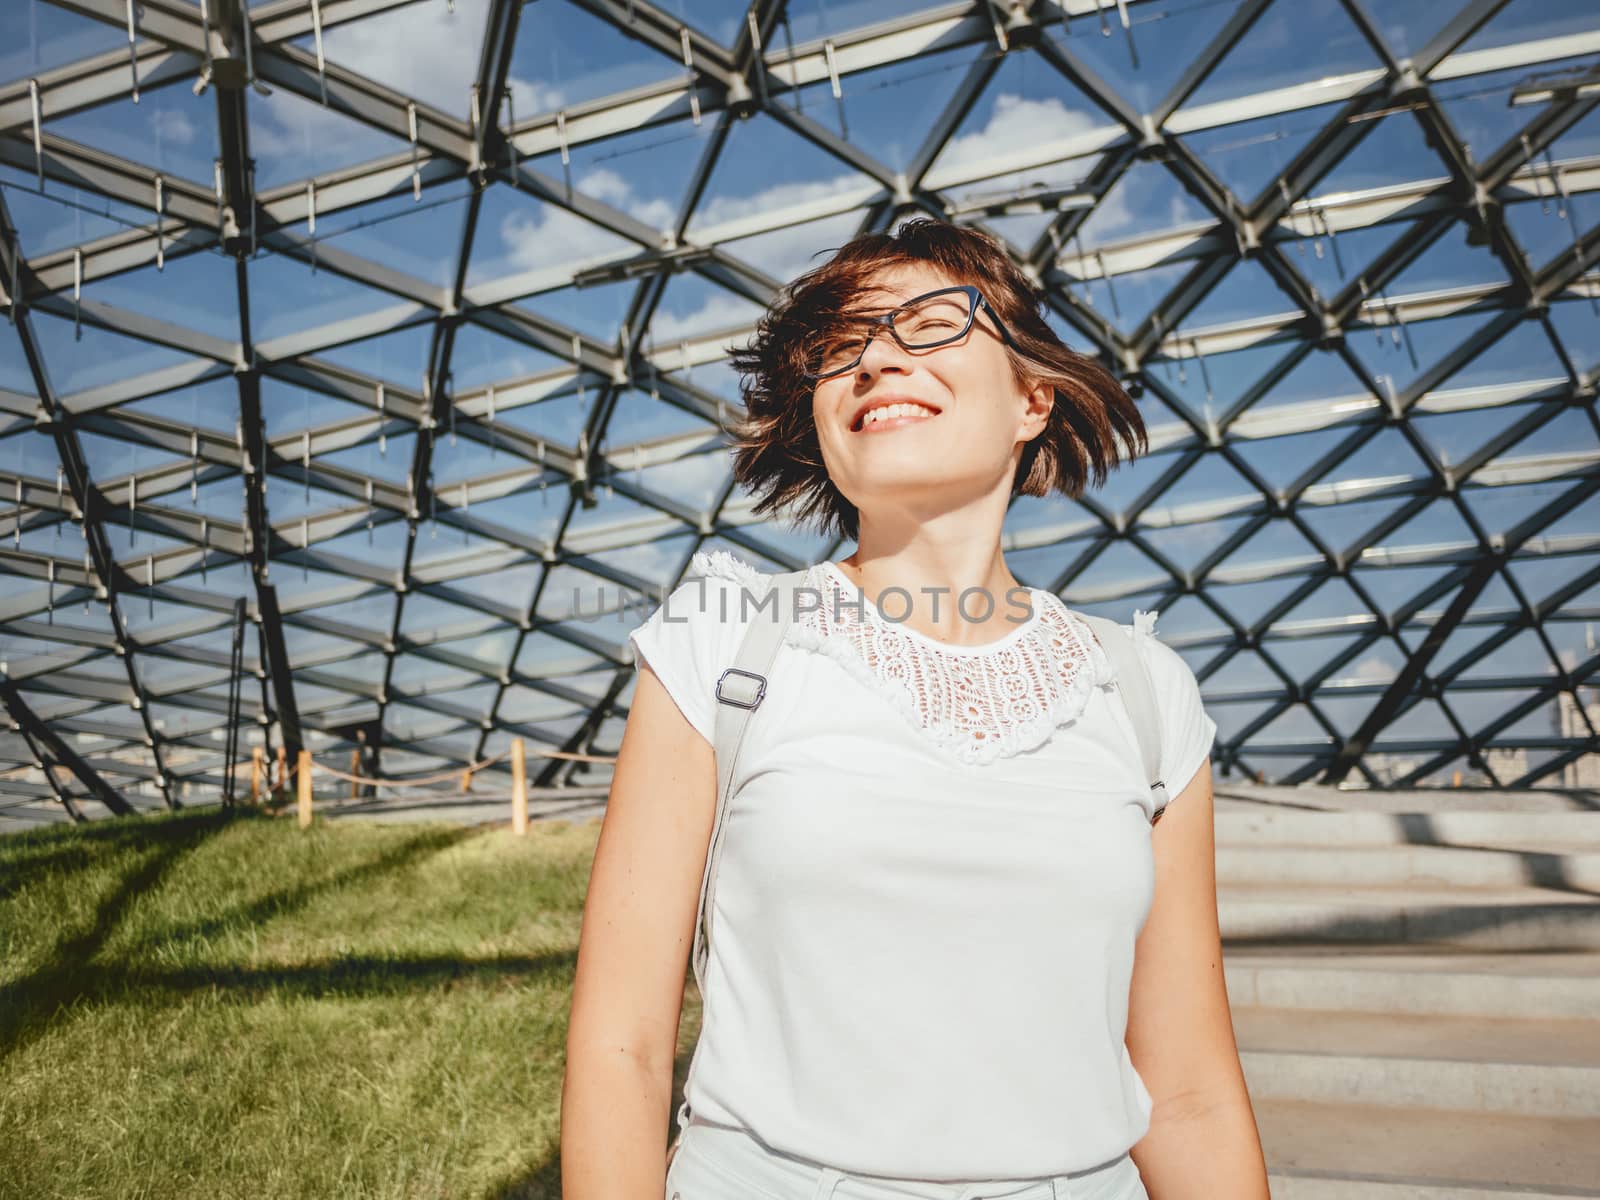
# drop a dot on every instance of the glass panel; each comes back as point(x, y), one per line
point(63, 216)
point(1248, 156)
point(428, 51)
point(170, 129)
point(287, 296)
point(518, 235)
point(886, 110)
point(294, 138)
point(93, 357)
point(1408, 28)
point(212, 406)
point(400, 357)
point(1452, 261)
point(692, 307)
point(1393, 151)
point(480, 357)
point(1529, 20)
point(420, 240)
point(1187, 546)
point(1245, 292)
point(1262, 60)
point(596, 311)
point(768, 176)
point(1541, 230)
point(563, 56)
point(1147, 199)
point(1166, 35)
point(1397, 355)
point(790, 252)
point(36, 37)
point(1026, 106)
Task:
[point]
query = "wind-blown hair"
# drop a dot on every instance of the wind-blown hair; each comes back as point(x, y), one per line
point(1093, 427)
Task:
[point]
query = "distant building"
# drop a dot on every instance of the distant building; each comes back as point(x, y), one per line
point(1508, 766)
point(1584, 771)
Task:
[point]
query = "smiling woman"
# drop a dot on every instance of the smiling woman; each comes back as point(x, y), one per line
point(926, 274)
point(954, 956)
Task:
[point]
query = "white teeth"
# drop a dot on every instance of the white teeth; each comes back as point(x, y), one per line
point(887, 411)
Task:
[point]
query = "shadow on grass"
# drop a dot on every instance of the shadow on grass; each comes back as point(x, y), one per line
point(542, 1181)
point(349, 975)
point(70, 977)
point(290, 899)
point(27, 1004)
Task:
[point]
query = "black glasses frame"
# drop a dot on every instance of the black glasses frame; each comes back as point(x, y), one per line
point(886, 321)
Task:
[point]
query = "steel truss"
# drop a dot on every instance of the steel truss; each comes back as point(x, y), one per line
point(445, 690)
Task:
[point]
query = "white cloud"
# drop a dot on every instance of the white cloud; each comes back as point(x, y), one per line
point(1017, 124)
point(548, 236)
point(172, 125)
point(1373, 667)
point(424, 50)
point(429, 52)
point(719, 311)
point(772, 200)
point(610, 187)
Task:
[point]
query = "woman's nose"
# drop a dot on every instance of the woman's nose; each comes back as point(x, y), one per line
point(882, 353)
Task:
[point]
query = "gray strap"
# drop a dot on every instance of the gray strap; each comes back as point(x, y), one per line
point(740, 691)
point(1138, 696)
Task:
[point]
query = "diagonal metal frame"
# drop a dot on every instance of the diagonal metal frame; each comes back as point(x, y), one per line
point(719, 79)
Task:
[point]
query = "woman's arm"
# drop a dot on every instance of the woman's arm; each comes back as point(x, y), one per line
point(638, 926)
point(1202, 1143)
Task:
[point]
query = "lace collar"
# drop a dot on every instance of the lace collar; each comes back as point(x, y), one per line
point(979, 702)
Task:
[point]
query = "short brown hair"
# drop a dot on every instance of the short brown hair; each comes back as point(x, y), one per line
point(1093, 426)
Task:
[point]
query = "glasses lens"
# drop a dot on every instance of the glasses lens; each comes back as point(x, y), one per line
point(936, 319)
point(833, 349)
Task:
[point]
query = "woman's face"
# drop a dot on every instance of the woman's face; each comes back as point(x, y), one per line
point(969, 411)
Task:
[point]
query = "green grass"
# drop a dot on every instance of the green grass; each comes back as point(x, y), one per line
point(205, 1005)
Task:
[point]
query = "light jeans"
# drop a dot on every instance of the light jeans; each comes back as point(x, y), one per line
point(719, 1162)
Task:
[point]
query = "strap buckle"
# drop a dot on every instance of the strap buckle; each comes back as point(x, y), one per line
point(749, 700)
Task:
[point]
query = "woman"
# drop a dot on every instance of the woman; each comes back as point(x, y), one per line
point(953, 954)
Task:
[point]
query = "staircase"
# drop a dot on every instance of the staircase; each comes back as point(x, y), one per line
point(1415, 982)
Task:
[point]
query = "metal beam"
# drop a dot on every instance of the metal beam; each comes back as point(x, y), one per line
point(54, 752)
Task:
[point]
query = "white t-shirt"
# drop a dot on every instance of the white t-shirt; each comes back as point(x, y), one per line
point(935, 862)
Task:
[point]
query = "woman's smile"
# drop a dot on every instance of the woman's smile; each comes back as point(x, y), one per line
point(896, 418)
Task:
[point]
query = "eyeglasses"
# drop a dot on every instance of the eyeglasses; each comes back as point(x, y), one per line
point(933, 319)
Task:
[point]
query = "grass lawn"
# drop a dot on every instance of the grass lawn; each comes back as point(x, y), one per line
point(200, 1004)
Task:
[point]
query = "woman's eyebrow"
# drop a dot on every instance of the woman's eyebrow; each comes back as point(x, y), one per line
point(873, 310)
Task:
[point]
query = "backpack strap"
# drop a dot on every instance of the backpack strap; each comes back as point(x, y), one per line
point(1138, 694)
point(740, 691)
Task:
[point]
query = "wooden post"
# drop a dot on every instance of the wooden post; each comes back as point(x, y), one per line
point(304, 771)
point(519, 789)
point(355, 769)
point(466, 781)
point(281, 780)
point(258, 766)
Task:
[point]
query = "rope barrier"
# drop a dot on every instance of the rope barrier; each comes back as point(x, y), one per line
point(453, 773)
point(423, 781)
point(421, 789)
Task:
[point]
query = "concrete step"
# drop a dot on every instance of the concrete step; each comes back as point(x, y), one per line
point(1234, 795)
point(1337, 1187)
point(1573, 870)
point(1475, 1064)
point(1319, 1151)
point(1528, 986)
point(1550, 832)
point(1524, 918)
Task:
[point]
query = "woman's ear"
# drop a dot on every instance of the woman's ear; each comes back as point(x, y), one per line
point(1041, 399)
